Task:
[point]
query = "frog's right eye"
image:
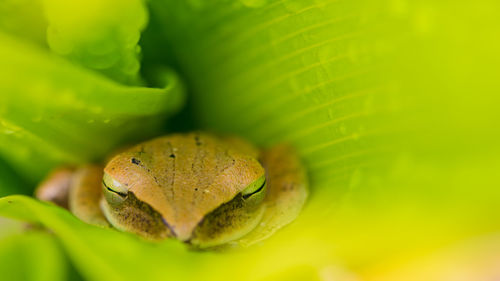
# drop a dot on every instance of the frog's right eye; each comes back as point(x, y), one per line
point(114, 192)
point(254, 187)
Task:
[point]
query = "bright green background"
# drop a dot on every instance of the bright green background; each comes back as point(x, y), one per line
point(393, 106)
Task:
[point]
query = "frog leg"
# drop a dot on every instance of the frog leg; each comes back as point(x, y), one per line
point(55, 187)
point(86, 193)
point(78, 190)
point(287, 192)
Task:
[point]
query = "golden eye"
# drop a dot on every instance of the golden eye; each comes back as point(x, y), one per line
point(114, 192)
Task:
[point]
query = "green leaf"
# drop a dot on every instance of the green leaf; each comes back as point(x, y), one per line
point(100, 254)
point(106, 254)
point(10, 182)
point(101, 35)
point(68, 115)
point(391, 104)
point(24, 19)
point(32, 256)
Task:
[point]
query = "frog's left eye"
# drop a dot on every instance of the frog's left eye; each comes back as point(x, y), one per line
point(114, 192)
point(257, 186)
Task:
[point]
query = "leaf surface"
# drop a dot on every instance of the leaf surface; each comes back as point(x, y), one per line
point(69, 115)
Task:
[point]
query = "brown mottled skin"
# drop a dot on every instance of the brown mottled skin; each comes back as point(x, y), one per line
point(199, 188)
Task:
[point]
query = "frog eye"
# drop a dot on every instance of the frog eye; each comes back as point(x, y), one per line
point(114, 192)
point(256, 187)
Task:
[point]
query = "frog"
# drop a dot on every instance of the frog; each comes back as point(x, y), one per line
point(203, 189)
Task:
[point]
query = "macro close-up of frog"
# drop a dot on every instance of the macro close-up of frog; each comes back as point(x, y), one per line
point(199, 188)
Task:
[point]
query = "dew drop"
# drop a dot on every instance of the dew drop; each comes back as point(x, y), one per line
point(8, 128)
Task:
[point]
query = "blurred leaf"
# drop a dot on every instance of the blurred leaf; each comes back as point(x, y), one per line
point(105, 254)
point(31, 256)
point(67, 115)
point(474, 259)
point(99, 34)
point(392, 104)
point(24, 19)
point(10, 182)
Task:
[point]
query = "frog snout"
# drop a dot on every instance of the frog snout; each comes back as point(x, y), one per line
point(183, 231)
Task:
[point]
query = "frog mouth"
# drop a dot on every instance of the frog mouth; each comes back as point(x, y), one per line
point(135, 216)
point(246, 196)
point(169, 227)
point(121, 194)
